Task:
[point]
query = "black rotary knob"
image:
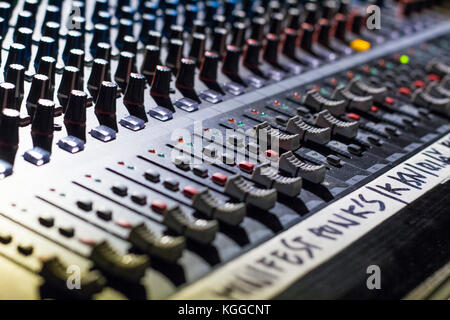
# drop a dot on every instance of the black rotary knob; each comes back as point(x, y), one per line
point(357, 23)
point(76, 59)
point(160, 87)
point(170, 18)
point(190, 14)
point(40, 89)
point(324, 32)
point(154, 38)
point(70, 81)
point(174, 54)
point(16, 76)
point(7, 96)
point(271, 49)
point(130, 44)
point(42, 125)
point(24, 36)
point(46, 48)
point(125, 29)
point(9, 134)
point(151, 60)
point(208, 68)
point(75, 116)
point(199, 26)
point(290, 42)
point(105, 106)
point(238, 32)
point(258, 25)
point(74, 40)
point(16, 55)
point(176, 32)
point(124, 68)
point(293, 18)
point(9, 128)
point(47, 67)
point(186, 73)
point(51, 29)
point(344, 6)
point(99, 73)
point(276, 23)
point(341, 28)
point(230, 65)
point(52, 13)
point(219, 41)
point(103, 51)
point(307, 37)
point(251, 54)
point(148, 23)
point(329, 8)
point(134, 96)
point(197, 47)
point(311, 11)
point(101, 34)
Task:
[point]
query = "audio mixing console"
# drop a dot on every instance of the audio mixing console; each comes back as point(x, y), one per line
point(248, 149)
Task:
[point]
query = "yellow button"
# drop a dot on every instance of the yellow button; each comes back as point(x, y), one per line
point(360, 45)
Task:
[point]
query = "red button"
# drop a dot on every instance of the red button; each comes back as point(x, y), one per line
point(246, 166)
point(419, 84)
point(123, 224)
point(353, 116)
point(158, 206)
point(433, 77)
point(374, 109)
point(219, 178)
point(271, 154)
point(88, 241)
point(190, 191)
point(389, 100)
point(404, 91)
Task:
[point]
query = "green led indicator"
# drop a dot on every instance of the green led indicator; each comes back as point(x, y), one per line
point(263, 114)
point(389, 65)
point(374, 71)
point(190, 144)
point(130, 167)
point(98, 180)
point(241, 124)
point(324, 91)
point(404, 59)
point(161, 155)
point(284, 107)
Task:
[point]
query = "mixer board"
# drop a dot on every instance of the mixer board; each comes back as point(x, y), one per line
point(190, 149)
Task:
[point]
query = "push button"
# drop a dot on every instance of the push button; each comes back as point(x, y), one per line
point(219, 178)
point(139, 198)
point(120, 189)
point(171, 184)
point(47, 221)
point(104, 214)
point(360, 45)
point(67, 232)
point(152, 175)
point(200, 170)
point(85, 205)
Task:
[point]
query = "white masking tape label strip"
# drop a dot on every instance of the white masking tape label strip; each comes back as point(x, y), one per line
point(268, 269)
